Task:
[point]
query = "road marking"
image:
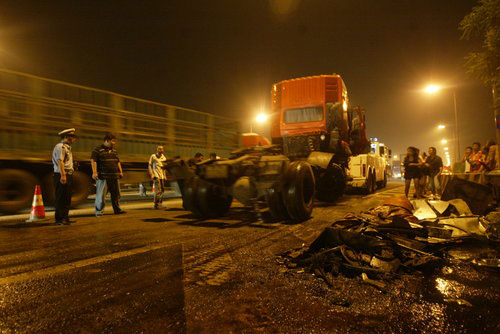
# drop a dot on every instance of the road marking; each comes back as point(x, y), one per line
point(41, 273)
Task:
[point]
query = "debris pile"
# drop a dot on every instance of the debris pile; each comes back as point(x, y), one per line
point(397, 236)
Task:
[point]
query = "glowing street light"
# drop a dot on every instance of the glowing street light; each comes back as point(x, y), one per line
point(441, 126)
point(432, 89)
point(394, 156)
point(446, 149)
point(444, 141)
point(261, 118)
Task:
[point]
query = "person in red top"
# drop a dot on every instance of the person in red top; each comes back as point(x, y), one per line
point(475, 158)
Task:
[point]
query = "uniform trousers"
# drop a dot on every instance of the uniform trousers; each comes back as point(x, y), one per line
point(63, 197)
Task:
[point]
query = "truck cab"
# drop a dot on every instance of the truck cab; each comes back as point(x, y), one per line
point(310, 114)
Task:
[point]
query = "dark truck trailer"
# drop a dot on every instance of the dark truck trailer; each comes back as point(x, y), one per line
point(34, 109)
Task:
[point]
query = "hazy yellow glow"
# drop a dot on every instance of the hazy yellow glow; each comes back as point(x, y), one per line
point(432, 89)
point(441, 126)
point(261, 118)
point(444, 141)
point(446, 149)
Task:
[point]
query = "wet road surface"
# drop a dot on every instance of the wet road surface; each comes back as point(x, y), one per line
point(156, 271)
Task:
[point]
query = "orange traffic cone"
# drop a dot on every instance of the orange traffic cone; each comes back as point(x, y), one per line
point(37, 209)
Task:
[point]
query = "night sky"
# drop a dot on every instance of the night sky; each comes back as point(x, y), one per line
point(223, 56)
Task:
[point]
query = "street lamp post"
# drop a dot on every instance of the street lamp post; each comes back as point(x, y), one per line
point(433, 89)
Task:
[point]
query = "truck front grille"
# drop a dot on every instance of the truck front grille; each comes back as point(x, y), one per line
point(300, 146)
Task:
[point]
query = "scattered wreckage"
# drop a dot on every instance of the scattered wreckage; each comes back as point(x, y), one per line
point(397, 236)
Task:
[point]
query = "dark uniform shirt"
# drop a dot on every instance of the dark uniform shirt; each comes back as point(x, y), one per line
point(107, 162)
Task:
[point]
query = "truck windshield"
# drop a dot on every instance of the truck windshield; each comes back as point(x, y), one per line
point(301, 115)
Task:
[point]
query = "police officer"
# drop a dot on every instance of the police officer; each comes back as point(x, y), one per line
point(62, 158)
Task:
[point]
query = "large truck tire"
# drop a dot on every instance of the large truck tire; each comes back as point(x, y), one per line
point(80, 189)
point(298, 190)
point(16, 190)
point(370, 183)
point(48, 191)
point(189, 201)
point(275, 202)
point(212, 200)
point(204, 199)
point(331, 184)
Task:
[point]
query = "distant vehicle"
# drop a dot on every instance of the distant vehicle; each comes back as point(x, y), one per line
point(34, 109)
point(371, 170)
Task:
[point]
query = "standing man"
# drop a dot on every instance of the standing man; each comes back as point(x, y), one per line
point(106, 170)
point(475, 158)
point(158, 175)
point(434, 163)
point(62, 158)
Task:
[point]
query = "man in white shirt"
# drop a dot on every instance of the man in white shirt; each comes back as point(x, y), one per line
point(158, 175)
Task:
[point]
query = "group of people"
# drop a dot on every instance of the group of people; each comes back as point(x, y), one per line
point(424, 169)
point(106, 170)
point(479, 159)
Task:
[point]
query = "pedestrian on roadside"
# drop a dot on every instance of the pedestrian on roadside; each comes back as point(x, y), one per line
point(106, 170)
point(198, 157)
point(434, 163)
point(489, 156)
point(158, 174)
point(424, 175)
point(465, 160)
point(412, 164)
point(475, 158)
point(62, 158)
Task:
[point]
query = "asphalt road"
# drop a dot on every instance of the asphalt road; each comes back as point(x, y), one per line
point(157, 271)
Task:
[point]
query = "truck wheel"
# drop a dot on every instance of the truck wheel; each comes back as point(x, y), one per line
point(16, 190)
point(212, 200)
point(80, 189)
point(298, 194)
point(274, 198)
point(332, 184)
point(370, 183)
point(374, 182)
point(189, 201)
point(48, 191)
